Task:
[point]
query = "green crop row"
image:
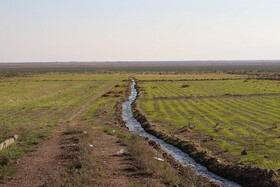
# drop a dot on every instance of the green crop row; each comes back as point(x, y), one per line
point(190, 76)
point(208, 88)
point(40, 101)
point(220, 123)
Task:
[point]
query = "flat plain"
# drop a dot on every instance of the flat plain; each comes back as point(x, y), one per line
point(223, 116)
point(70, 128)
point(70, 122)
point(42, 101)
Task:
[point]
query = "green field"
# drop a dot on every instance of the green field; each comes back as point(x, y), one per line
point(223, 117)
point(80, 108)
point(209, 88)
point(148, 76)
point(220, 113)
point(34, 104)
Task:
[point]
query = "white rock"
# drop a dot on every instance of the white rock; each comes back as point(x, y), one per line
point(15, 137)
point(122, 152)
point(8, 142)
point(159, 159)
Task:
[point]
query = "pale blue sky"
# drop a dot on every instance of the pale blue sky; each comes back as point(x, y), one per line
point(101, 30)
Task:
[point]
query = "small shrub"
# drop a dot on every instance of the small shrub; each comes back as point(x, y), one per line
point(4, 159)
point(274, 125)
point(185, 85)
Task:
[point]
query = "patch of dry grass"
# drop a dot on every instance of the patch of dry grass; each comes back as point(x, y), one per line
point(144, 155)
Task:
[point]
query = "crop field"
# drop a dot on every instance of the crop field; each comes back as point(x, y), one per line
point(34, 104)
point(209, 88)
point(220, 113)
point(223, 117)
point(171, 76)
point(69, 129)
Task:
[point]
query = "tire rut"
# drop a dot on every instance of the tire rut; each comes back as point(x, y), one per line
point(36, 168)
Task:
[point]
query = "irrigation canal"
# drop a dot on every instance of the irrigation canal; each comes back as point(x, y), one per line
point(179, 155)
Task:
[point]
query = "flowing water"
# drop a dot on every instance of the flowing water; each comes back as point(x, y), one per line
point(179, 155)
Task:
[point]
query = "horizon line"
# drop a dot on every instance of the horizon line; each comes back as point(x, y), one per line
point(104, 61)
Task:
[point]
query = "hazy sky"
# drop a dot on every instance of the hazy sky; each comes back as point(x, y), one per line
point(97, 30)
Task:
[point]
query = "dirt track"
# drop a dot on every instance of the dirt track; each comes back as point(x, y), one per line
point(36, 168)
point(48, 165)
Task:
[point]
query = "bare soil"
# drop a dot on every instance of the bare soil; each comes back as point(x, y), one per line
point(118, 170)
point(35, 168)
point(54, 155)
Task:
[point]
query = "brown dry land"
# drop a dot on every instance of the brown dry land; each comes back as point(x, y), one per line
point(67, 148)
point(142, 65)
